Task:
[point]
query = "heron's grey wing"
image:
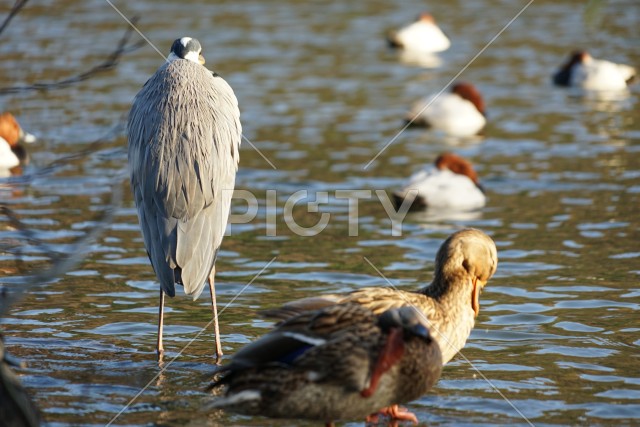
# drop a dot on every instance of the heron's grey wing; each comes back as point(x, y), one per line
point(151, 218)
point(217, 140)
point(190, 160)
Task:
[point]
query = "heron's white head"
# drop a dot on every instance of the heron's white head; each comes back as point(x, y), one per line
point(186, 48)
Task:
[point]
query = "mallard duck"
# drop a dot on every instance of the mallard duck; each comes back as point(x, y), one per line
point(341, 362)
point(16, 407)
point(423, 36)
point(586, 72)
point(450, 184)
point(450, 303)
point(460, 112)
point(12, 152)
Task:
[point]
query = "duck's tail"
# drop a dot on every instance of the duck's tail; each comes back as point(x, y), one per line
point(402, 197)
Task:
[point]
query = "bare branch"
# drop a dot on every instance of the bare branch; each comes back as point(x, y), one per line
point(12, 13)
point(108, 64)
point(50, 168)
point(60, 263)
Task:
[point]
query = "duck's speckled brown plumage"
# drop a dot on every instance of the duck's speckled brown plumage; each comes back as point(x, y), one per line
point(16, 407)
point(464, 264)
point(279, 376)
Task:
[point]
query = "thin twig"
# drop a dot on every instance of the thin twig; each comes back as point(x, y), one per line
point(108, 64)
point(50, 168)
point(60, 263)
point(12, 13)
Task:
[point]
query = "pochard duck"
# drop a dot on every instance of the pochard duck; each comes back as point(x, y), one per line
point(12, 151)
point(584, 71)
point(423, 35)
point(460, 112)
point(450, 183)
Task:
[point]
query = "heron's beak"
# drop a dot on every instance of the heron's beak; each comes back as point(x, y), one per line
point(475, 296)
point(201, 59)
point(26, 137)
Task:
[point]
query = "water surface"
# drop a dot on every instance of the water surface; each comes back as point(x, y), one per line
point(556, 342)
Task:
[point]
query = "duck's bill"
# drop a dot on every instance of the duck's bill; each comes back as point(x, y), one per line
point(27, 138)
point(475, 296)
point(201, 60)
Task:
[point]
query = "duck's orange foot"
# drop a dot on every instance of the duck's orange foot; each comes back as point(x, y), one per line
point(394, 412)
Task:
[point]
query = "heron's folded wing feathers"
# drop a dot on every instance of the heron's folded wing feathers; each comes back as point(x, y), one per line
point(180, 131)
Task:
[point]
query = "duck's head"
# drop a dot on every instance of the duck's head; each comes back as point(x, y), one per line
point(563, 76)
point(469, 92)
point(467, 258)
point(457, 164)
point(187, 48)
point(427, 18)
point(407, 318)
point(14, 136)
point(578, 57)
point(11, 131)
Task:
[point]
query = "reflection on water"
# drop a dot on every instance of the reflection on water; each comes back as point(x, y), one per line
point(420, 59)
point(320, 95)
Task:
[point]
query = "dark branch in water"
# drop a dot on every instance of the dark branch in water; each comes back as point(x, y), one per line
point(12, 13)
point(110, 63)
point(60, 262)
point(16, 406)
point(52, 167)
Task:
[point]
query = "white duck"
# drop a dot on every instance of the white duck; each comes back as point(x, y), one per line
point(12, 152)
point(423, 35)
point(584, 71)
point(457, 113)
point(450, 184)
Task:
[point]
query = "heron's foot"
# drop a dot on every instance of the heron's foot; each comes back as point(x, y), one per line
point(394, 413)
point(160, 352)
point(218, 358)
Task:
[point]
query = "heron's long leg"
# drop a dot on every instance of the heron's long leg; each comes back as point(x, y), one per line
point(160, 347)
point(214, 308)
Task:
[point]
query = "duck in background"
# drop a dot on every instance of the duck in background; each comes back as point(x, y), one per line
point(12, 151)
point(460, 112)
point(423, 35)
point(585, 72)
point(450, 184)
point(341, 362)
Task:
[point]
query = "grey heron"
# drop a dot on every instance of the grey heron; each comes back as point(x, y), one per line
point(184, 137)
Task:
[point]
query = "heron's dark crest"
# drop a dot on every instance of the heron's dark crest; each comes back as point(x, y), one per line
point(183, 46)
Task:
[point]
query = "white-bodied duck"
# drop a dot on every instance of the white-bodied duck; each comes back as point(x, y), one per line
point(460, 112)
point(12, 151)
point(423, 36)
point(450, 184)
point(585, 72)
